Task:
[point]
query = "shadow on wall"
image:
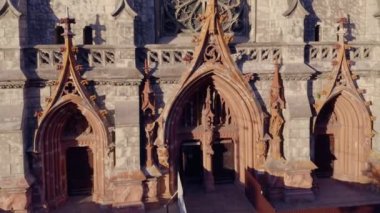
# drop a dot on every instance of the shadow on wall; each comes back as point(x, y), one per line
point(41, 22)
point(98, 28)
point(311, 29)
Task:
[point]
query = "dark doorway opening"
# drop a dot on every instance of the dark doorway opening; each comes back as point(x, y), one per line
point(324, 155)
point(192, 164)
point(223, 163)
point(79, 166)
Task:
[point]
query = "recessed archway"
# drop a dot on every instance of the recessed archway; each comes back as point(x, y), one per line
point(66, 126)
point(246, 116)
point(342, 138)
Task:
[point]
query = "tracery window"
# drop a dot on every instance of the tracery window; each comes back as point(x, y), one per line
point(184, 16)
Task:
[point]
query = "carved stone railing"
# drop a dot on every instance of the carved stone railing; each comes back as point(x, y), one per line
point(166, 55)
point(326, 51)
point(261, 53)
point(49, 56)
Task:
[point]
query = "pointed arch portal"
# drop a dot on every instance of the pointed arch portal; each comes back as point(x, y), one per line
point(342, 138)
point(68, 129)
point(72, 126)
point(238, 122)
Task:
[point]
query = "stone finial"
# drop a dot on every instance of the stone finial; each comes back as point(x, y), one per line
point(276, 89)
point(67, 24)
point(342, 31)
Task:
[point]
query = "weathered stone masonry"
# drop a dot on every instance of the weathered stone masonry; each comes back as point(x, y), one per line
point(300, 34)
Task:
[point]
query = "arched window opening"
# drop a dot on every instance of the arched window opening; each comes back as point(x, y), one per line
point(317, 32)
point(337, 29)
point(58, 35)
point(87, 35)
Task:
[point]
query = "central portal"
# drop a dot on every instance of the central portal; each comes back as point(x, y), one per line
point(208, 138)
point(79, 165)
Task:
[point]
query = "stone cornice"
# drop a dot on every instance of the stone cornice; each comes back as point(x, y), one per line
point(12, 84)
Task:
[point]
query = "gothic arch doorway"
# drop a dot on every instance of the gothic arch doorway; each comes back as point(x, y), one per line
point(70, 136)
point(220, 117)
point(208, 137)
point(341, 139)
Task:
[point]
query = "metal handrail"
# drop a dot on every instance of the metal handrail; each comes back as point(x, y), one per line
point(169, 201)
point(178, 193)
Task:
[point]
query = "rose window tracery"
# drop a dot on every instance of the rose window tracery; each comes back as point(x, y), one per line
point(185, 16)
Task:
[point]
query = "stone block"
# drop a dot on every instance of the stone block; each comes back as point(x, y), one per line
point(17, 168)
point(11, 117)
point(127, 113)
point(5, 169)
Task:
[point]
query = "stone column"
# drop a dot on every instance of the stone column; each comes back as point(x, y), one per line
point(297, 173)
point(208, 178)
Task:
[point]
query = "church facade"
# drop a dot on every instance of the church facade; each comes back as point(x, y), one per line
point(117, 99)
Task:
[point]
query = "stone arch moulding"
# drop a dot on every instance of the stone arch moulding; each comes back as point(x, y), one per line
point(212, 61)
point(48, 145)
point(247, 114)
point(8, 5)
point(124, 4)
point(353, 136)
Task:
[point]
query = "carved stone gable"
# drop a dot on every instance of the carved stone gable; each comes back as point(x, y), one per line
point(341, 77)
point(70, 83)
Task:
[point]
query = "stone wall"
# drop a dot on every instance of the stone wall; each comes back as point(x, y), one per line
point(120, 34)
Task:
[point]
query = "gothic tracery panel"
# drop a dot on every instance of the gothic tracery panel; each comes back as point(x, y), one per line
point(192, 112)
point(185, 16)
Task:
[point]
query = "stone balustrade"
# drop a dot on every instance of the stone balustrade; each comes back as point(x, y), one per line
point(326, 51)
point(165, 55)
point(257, 52)
point(49, 56)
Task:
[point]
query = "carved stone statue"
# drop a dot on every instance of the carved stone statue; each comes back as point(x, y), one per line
point(276, 120)
point(163, 156)
point(149, 108)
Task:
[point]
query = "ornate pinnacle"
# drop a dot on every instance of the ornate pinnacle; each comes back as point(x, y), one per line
point(146, 68)
point(276, 96)
point(66, 23)
point(341, 32)
point(276, 75)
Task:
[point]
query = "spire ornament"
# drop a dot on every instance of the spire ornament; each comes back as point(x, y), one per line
point(70, 85)
point(341, 77)
point(275, 162)
point(277, 104)
point(212, 45)
point(148, 108)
